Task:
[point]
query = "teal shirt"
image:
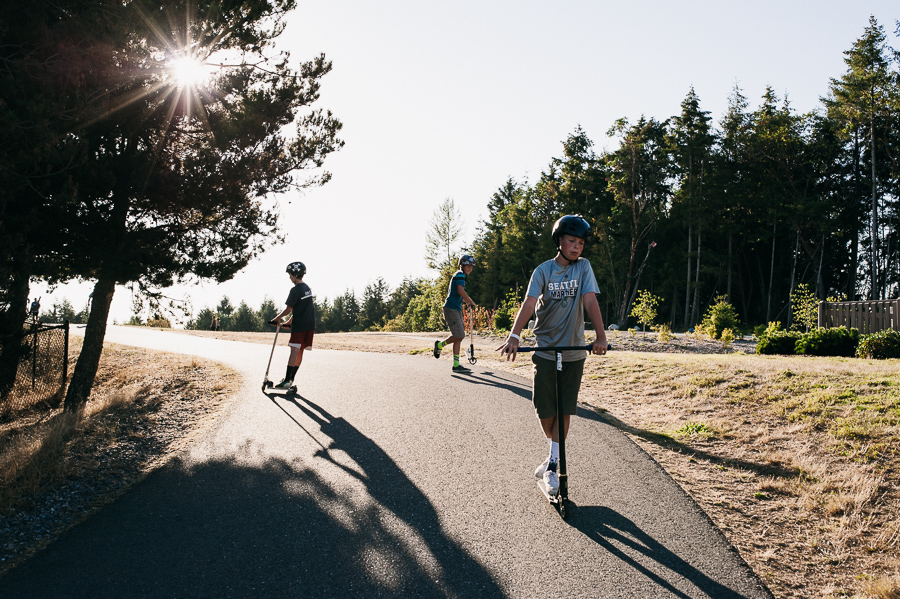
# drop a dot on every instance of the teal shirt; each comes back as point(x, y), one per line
point(454, 299)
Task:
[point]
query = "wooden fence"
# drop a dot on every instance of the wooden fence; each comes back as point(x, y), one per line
point(866, 317)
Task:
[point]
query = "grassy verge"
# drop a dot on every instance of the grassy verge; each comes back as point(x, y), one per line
point(794, 458)
point(144, 407)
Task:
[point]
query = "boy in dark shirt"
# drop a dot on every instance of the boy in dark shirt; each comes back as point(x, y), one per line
point(301, 307)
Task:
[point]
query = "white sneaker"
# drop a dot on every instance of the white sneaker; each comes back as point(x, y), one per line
point(551, 480)
point(284, 384)
point(539, 471)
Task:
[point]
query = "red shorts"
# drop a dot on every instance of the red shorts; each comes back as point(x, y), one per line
point(301, 339)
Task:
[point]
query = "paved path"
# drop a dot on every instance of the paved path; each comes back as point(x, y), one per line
point(387, 477)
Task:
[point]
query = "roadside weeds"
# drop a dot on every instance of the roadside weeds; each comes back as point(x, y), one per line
point(56, 469)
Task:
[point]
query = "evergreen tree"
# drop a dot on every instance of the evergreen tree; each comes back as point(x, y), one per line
point(861, 100)
point(443, 238)
point(156, 179)
point(691, 141)
point(639, 178)
point(374, 309)
point(267, 311)
point(244, 319)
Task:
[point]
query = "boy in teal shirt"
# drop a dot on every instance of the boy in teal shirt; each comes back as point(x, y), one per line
point(456, 295)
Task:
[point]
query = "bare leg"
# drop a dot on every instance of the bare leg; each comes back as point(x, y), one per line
point(296, 356)
point(551, 427)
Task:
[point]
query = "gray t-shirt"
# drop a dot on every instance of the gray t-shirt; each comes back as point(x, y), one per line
point(559, 315)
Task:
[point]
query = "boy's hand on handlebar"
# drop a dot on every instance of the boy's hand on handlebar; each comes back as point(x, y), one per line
point(510, 348)
point(599, 347)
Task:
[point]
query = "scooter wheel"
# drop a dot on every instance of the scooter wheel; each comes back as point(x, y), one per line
point(293, 389)
point(562, 509)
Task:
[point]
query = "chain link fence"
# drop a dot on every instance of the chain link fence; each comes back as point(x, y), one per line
point(33, 368)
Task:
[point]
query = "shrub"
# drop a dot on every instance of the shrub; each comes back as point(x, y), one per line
point(881, 345)
point(829, 342)
point(505, 314)
point(804, 308)
point(644, 308)
point(775, 340)
point(664, 333)
point(719, 317)
point(726, 337)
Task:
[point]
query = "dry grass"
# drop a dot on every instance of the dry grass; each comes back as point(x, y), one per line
point(144, 407)
point(796, 459)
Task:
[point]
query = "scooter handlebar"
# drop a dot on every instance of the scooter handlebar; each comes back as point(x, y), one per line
point(562, 348)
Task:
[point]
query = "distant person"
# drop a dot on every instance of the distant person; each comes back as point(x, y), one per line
point(453, 315)
point(302, 322)
point(35, 309)
point(561, 290)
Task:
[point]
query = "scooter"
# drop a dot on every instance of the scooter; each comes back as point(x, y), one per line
point(470, 352)
point(267, 384)
point(560, 498)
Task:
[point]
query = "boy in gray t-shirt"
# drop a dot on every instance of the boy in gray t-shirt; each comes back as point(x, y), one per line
point(559, 293)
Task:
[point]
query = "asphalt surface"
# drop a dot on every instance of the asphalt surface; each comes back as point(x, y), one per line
point(387, 476)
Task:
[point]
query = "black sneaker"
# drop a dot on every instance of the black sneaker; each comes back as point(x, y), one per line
point(437, 349)
point(461, 369)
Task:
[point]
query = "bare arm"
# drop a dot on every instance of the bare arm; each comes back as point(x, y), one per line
point(465, 296)
point(511, 346)
point(593, 311)
point(287, 310)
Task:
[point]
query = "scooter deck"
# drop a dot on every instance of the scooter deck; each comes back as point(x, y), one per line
point(270, 386)
point(555, 500)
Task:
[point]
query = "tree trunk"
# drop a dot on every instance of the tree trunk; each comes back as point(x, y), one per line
point(854, 264)
point(94, 333)
point(876, 286)
point(637, 278)
point(687, 290)
point(771, 270)
point(623, 308)
point(790, 317)
point(695, 307)
point(15, 297)
point(730, 259)
point(820, 286)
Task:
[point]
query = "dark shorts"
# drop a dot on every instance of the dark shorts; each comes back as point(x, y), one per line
point(543, 394)
point(454, 319)
point(301, 339)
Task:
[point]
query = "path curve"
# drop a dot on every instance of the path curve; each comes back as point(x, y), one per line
point(386, 477)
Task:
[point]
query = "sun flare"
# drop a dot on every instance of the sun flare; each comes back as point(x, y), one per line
point(188, 72)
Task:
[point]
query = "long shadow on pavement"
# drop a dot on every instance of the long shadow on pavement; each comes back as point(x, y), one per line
point(493, 380)
point(625, 540)
point(224, 528)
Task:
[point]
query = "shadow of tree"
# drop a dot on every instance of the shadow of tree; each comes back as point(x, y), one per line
point(234, 528)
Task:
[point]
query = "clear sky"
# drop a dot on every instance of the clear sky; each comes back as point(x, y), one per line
point(451, 99)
